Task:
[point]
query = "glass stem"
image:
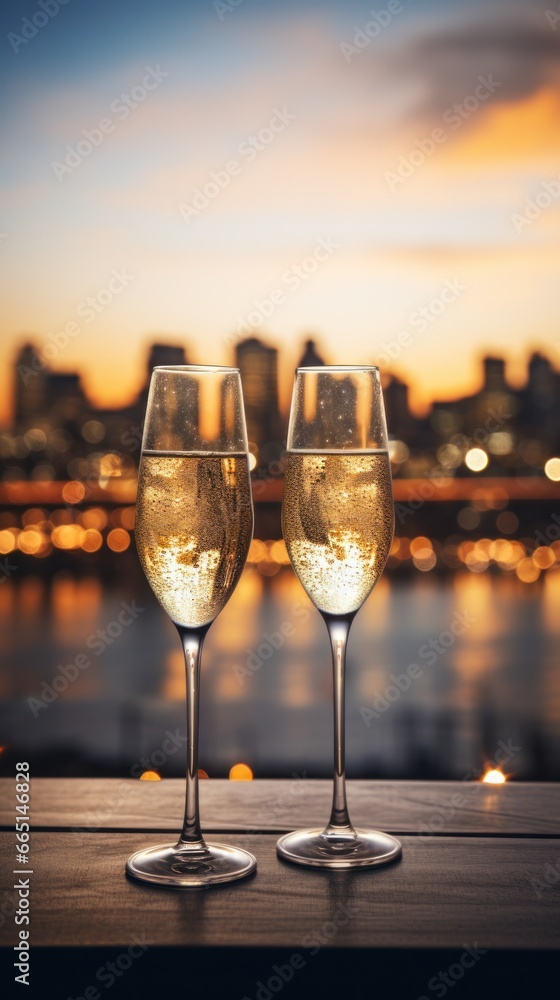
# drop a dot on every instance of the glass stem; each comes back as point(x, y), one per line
point(339, 627)
point(192, 640)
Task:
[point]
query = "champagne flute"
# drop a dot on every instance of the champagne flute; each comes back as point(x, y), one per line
point(338, 522)
point(194, 523)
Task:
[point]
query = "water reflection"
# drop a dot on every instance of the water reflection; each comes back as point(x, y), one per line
point(483, 646)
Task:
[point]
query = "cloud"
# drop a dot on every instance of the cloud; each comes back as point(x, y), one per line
point(442, 66)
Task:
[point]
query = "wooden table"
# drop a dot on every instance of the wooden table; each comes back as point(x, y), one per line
point(480, 871)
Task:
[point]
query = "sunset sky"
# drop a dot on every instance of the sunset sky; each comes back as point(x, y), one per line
point(348, 121)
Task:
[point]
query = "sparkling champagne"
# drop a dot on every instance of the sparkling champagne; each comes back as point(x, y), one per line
point(194, 521)
point(338, 524)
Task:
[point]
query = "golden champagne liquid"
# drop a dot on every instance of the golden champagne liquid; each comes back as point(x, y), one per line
point(338, 521)
point(194, 522)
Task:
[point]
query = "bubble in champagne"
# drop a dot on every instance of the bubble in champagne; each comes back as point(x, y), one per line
point(338, 524)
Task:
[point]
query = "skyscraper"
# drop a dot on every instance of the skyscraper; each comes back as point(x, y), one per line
point(258, 365)
point(310, 358)
point(400, 422)
point(541, 401)
point(494, 375)
point(165, 354)
point(158, 356)
point(30, 386)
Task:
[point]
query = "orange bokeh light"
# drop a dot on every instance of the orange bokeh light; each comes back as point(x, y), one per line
point(257, 551)
point(95, 517)
point(118, 540)
point(67, 536)
point(494, 777)
point(7, 542)
point(279, 553)
point(32, 517)
point(527, 572)
point(544, 557)
point(240, 772)
point(30, 541)
point(73, 492)
point(419, 545)
point(127, 517)
point(92, 540)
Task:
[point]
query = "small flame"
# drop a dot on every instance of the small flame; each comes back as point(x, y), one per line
point(494, 777)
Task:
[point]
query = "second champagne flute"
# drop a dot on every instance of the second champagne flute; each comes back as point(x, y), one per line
point(338, 521)
point(194, 523)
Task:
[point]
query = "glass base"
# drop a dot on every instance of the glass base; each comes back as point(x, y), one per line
point(173, 866)
point(316, 849)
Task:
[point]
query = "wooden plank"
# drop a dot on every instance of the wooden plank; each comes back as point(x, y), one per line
point(439, 807)
point(447, 893)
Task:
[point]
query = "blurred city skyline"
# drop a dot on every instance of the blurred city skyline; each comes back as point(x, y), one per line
point(421, 150)
point(56, 431)
point(52, 359)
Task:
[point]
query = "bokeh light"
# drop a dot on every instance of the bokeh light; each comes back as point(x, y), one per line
point(95, 517)
point(527, 572)
point(240, 772)
point(118, 540)
point(67, 536)
point(494, 777)
point(73, 492)
point(468, 518)
point(507, 521)
point(398, 452)
point(92, 540)
point(552, 469)
point(476, 459)
point(544, 557)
